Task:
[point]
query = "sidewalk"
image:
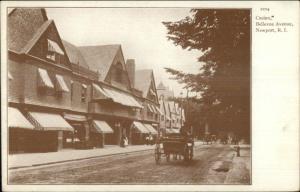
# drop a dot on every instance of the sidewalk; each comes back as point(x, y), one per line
point(240, 173)
point(35, 159)
point(16, 161)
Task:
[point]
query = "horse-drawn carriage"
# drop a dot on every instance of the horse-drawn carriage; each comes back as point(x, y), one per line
point(174, 144)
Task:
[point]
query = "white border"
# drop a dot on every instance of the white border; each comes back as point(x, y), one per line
point(275, 101)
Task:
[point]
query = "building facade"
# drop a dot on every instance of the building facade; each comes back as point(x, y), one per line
point(65, 96)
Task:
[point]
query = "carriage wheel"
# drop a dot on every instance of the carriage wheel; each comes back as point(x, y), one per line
point(186, 153)
point(191, 153)
point(157, 154)
point(168, 157)
point(174, 156)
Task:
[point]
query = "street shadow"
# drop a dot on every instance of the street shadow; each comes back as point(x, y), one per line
point(181, 163)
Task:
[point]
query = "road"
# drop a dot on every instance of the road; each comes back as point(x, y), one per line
point(210, 165)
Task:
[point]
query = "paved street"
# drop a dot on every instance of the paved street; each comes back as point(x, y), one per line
point(212, 164)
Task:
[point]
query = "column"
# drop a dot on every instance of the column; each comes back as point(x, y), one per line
point(130, 136)
point(102, 140)
point(87, 134)
point(60, 140)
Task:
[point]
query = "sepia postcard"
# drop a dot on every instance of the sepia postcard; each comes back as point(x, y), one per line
point(150, 96)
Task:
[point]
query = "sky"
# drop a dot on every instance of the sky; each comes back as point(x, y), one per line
point(139, 31)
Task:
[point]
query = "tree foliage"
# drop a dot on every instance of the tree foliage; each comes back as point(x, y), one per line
point(223, 35)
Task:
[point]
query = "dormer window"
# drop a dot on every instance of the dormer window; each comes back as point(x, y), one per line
point(54, 51)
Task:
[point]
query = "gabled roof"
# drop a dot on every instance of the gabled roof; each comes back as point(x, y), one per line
point(100, 58)
point(36, 36)
point(161, 86)
point(23, 24)
point(143, 80)
point(74, 54)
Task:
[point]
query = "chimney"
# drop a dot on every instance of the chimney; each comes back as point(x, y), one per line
point(130, 67)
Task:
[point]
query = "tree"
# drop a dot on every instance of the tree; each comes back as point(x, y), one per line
point(223, 35)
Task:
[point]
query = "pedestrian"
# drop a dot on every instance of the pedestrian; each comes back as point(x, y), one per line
point(122, 144)
point(147, 139)
point(151, 139)
point(125, 141)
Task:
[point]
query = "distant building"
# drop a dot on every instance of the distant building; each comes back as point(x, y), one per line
point(174, 118)
point(150, 114)
point(164, 92)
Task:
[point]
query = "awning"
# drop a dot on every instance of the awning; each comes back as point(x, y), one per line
point(154, 109)
point(150, 108)
point(159, 110)
point(54, 47)
point(140, 127)
point(169, 130)
point(99, 93)
point(74, 117)
point(17, 120)
point(44, 79)
point(175, 130)
point(61, 84)
point(84, 86)
point(122, 98)
point(151, 129)
point(49, 122)
point(101, 127)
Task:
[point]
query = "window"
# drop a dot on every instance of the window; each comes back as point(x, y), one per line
point(83, 93)
point(54, 51)
point(50, 55)
point(162, 117)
